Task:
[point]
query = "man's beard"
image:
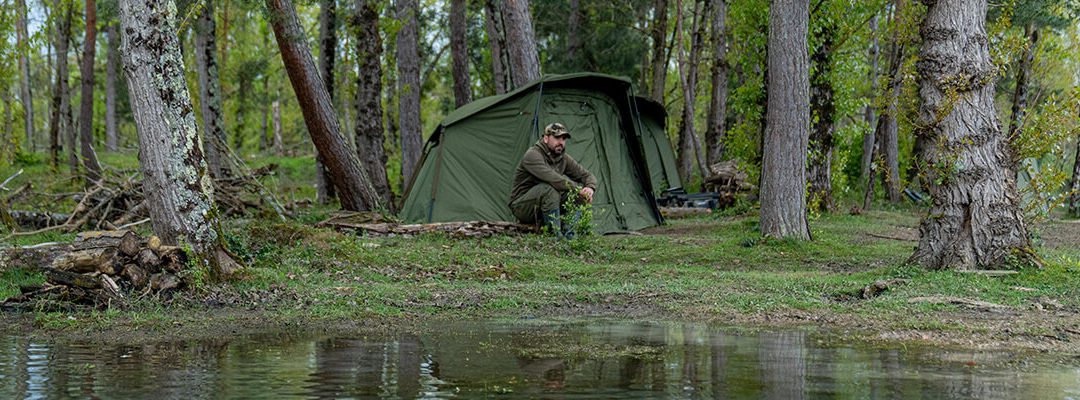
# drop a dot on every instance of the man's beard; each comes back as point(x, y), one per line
point(557, 150)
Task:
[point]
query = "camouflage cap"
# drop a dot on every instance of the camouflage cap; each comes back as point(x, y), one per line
point(557, 130)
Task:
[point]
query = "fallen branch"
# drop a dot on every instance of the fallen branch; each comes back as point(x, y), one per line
point(4, 185)
point(977, 304)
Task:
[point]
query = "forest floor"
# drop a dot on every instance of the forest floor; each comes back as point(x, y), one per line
point(713, 268)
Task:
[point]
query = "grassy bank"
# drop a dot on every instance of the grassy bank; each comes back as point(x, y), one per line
point(713, 268)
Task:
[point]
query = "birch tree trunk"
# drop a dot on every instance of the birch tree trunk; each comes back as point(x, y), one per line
point(328, 44)
point(822, 111)
point(459, 52)
point(352, 183)
point(659, 53)
point(783, 172)
point(25, 89)
point(59, 121)
point(408, 65)
point(86, 109)
point(520, 43)
point(717, 119)
point(111, 67)
point(369, 112)
point(177, 185)
point(210, 91)
point(497, 43)
point(975, 220)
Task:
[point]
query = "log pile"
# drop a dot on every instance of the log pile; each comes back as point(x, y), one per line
point(375, 225)
point(98, 269)
point(728, 181)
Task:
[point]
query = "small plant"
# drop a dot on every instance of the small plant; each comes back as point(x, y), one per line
point(577, 217)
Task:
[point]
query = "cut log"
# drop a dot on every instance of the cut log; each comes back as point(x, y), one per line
point(32, 257)
point(136, 275)
point(98, 239)
point(129, 244)
point(110, 288)
point(147, 259)
point(71, 279)
point(164, 281)
point(88, 260)
point(153, 243)
point(173, 259)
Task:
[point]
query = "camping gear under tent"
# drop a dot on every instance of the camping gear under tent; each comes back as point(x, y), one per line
point(468, 162)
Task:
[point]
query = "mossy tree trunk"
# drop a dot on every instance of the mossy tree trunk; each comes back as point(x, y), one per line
point(369, 111)
point(787, 119)
point(179, 193)
point(351, 180)
point(975, 220)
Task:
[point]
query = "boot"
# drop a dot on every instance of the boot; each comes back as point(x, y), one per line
point(569, 231)
point(553, 221)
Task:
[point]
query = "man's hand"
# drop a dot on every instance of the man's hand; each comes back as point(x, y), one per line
point(586, 194)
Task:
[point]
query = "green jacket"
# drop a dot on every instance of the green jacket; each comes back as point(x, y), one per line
point(539, 166)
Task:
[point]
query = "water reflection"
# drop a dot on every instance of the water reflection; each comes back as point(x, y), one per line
point(532, 359)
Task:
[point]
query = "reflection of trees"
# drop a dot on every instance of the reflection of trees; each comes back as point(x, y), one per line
point(408, 366)
point(717, 366)
point(783, 365)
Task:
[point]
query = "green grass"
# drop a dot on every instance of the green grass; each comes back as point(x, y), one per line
point(705, 267)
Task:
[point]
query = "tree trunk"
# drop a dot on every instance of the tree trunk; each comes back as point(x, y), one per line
point(1023, 70)
point(870, 118)
point(520, 43)
point(352, 183)
point(408, 64)
point(886, 148)
point(975, 220)
point(177, 185)
point(25, 89)
point(822, 111)
point(210, 106)
point(369, 112)
point(573, 34)
point(113, 58)
point(688, 71)
point(783, 172)
point(58, 121)
point(328, 45)
point(459, 51)
point(497, 43)
point(279, 142)
point(1074, 204)
point(659, 53)
point(717, 120)
point(86, 110)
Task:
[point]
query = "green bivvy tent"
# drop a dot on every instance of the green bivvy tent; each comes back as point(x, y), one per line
point(468, 163)
point(656, 147)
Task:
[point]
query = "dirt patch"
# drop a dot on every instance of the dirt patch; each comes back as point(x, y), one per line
point(1060, 234)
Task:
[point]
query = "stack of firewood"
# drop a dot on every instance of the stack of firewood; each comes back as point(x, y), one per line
point(99, 268)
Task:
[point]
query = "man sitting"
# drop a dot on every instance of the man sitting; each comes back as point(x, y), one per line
point(545, 178)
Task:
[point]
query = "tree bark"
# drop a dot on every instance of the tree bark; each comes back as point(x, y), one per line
point(717, 119)
point(328, 44)
point(497, 43)
point(210, 106)
point(86, 110)
point(459, 51)
point(369, 112)
point(1023, 70)
point(975, 220)
point(177, 185)
point(408, 64)
point(352, 183)
point(59, 121)
point(520, 43)
point(113, 60)
point(688, 71)
point(279, 142)
point(659, 53)
point(783, 172)
point(886, 150)
point(573, 34)
point(25, 89)
point(822, 111)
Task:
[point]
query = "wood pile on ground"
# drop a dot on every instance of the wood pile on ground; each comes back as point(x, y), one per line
point(374, 224)
point(726, 179)
point(98, 269)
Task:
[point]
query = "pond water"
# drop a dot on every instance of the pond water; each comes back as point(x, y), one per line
point(527, 359)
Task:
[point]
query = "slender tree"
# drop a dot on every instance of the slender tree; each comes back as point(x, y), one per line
point(869, 115)
point(717, 119)
point(210, 104)
point(1074, 202)
point(60, 118)
point(520, 42)
point(459, 52)
point(688, 71)
point(497, 43)
point(783, 171)
point(886, 149)
point(369, 111)
point(351, 180)
point(86, 109)
point(408, 65)
point(111, 70)
point(328, 43)
point(179, 194)
point(25, 88)
point(975, 219)
point(1023, 72)
point(822, 111)
point(659, 50)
